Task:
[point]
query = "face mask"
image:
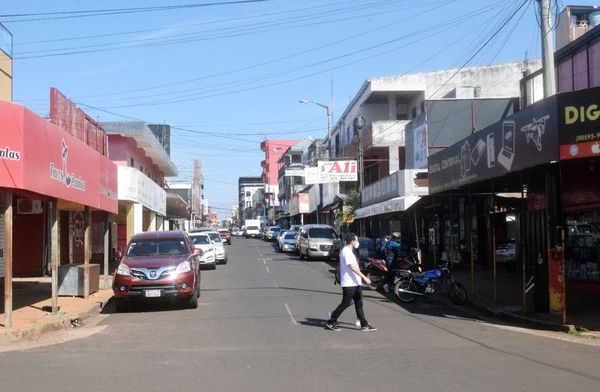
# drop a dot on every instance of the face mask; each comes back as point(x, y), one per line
point(356, 244)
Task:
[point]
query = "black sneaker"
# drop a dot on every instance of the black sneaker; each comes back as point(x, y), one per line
point(333, 326)
point(368, 328)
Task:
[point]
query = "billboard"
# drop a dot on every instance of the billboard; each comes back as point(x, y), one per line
point(523, 140)
point(331, 171)
point(579, 121)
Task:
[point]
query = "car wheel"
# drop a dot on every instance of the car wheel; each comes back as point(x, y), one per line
point(308, 256)
point(192, 300)
point(224, 260)
point(121, 305)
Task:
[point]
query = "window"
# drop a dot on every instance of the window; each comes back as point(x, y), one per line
point(248, 193)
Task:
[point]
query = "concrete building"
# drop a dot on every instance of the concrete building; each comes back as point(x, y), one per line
point(273, 150)
point(6, 64)
point(142, 165)
point(409, 116)
point(247, 187)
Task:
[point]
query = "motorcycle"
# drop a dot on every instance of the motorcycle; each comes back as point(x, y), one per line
point(409, 285)
point(376, 269)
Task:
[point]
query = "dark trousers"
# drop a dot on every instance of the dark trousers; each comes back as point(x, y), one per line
point(351, 294)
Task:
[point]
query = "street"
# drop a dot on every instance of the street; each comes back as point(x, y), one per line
point(259, 327)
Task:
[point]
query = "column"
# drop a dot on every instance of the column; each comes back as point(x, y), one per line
point(87, 251)
point(54, 251)
point(394, 153)
point(8, 258)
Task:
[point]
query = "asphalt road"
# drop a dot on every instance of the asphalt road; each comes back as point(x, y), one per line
point(259, 327)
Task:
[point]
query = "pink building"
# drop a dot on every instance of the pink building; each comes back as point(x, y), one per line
point(273, 150)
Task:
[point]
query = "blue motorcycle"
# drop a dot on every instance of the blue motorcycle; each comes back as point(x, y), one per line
point(410, 285)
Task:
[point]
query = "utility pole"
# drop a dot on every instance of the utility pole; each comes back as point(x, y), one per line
point(359, 123)
point(547, 51)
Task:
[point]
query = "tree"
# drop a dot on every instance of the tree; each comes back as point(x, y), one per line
point(351, 202)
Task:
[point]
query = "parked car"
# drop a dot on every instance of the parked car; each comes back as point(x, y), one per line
point(506, 253)
point(272, 232)
point(158, 264)
point(219, 247)
point(318, 241)
point(288, 242)
point(225, 235)
point(252, 231)
point(209, 255)
point(279, 239)
point(238, 232)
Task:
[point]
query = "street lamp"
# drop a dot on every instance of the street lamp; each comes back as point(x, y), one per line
point(329, 113)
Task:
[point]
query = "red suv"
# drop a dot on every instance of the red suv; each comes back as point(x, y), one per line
point(158, 264)
point(225, 235)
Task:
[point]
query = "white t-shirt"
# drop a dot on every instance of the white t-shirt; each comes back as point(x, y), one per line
point(348, 278)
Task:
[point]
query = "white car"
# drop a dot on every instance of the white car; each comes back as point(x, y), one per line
point(219, 247)
point(209, 256)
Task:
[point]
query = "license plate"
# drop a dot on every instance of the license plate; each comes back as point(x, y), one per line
point(152, 293)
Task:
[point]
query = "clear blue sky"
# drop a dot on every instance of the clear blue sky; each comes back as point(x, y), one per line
point(228, 76)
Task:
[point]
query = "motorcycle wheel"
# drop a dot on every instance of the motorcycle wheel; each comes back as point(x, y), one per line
point(405, 285)
point(458, 294)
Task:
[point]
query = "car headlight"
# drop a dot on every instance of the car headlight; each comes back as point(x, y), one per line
point(123, 269)
point(183, 267)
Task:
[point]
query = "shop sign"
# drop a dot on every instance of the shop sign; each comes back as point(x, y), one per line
point(526, 139)
point(303, 203)
point(40, 157)
point(137, 187)
point(579, 122)
point(331, 171)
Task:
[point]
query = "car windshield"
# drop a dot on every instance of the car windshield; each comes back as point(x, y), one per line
point(200, 239)
point(156, 247)
point(289, 236)
point(321, 232)
point(215, 237)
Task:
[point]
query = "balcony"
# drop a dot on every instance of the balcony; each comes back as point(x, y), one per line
point(397, 184)
point(379, 134)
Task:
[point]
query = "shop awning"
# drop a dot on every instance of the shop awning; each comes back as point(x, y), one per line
point(177, 208)
point(396, 204)
point(40, 157)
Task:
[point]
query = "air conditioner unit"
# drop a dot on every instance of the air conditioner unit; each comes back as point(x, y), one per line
point(29, 206)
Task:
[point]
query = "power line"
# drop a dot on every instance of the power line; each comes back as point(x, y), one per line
point(215, 92)
point(115, 11)
point(480, 48)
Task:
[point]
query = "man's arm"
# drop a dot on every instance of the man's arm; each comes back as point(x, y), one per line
point(357, 271)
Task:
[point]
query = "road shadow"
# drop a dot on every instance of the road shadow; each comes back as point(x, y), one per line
point(144, 306)
point(320, 323)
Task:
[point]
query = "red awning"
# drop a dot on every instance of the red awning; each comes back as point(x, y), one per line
point(40, 157)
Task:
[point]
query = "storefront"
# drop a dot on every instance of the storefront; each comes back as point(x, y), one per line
point(579, 142)
point(58, 194)
point(480, 190)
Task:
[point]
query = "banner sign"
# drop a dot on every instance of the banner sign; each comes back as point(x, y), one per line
point(303, 203)
point(526, 139)
point(579, 122)
point(335, 171)
point(38, 156)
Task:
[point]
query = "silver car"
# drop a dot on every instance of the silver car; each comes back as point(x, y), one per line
point(219, 247)
point(288, 242)
point(318, 241)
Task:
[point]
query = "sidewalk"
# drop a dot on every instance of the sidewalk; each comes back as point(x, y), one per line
point(32, 304)
point(581, 316)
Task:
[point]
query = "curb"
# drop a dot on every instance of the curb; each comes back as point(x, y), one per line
point(59, 321)
point(521, 319)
